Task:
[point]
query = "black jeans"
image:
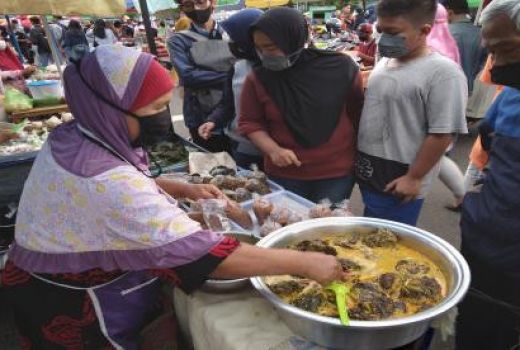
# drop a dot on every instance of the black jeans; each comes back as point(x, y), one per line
point(485, 323)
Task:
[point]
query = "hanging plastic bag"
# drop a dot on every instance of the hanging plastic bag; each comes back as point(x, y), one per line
point(15, 100)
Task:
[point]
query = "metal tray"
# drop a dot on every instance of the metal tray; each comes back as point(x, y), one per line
point(182, 166)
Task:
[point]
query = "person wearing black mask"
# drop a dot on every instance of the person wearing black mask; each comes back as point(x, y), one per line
point(242, 46)
point(490, 222)
point(301, 108)
point(203, 86)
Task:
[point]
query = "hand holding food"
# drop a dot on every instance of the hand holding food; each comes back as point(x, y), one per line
point(322, 268)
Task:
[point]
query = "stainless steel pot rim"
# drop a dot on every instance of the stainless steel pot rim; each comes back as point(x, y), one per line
point(458, 292)
point(226, 282)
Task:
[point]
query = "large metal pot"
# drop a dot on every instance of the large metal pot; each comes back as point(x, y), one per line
point(359, 335)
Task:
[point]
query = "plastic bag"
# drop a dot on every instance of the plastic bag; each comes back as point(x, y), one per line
point(342, 209)
point(269, 226)
point(262, 208)
point(321, 210)
point(16, 101)
point(214, 211)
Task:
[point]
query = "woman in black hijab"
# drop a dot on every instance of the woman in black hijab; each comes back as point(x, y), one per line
point(302, 108)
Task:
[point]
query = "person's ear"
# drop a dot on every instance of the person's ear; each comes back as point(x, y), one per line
point(426, 29)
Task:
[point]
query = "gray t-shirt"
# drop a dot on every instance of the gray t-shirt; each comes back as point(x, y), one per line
point(402, 106)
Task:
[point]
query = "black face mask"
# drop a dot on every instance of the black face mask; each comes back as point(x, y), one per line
point(200, 17)
point(508, 75)
point(154, 128)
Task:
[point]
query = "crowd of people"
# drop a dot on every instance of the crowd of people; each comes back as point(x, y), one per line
point(73, 36)
point(93, 221)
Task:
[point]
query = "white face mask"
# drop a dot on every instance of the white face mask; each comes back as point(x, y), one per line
point(3, 45)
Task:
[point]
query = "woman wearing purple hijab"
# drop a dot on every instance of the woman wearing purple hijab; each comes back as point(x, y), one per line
point(95, 233)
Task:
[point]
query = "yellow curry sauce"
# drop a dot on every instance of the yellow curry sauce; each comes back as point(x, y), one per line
point(369, 300)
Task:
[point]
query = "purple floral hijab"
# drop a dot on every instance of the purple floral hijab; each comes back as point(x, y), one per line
point(116, 73)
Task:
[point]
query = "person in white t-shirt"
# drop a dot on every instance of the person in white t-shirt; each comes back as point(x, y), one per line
point(414, 104)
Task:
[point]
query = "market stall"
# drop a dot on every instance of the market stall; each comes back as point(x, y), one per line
point(280, 313)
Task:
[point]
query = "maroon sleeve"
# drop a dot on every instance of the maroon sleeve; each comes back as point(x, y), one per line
point(191, 276)
point(252, 114)
point(355, 99)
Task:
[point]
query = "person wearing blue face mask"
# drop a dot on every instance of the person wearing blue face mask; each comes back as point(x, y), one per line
point(301, 108)
point(415, 101)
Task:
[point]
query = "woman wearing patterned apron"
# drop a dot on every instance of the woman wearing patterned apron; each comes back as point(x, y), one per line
point(96, 233)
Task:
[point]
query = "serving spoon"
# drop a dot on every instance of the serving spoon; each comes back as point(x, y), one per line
point(341, 290)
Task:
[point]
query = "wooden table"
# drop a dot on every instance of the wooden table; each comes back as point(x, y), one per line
point(38, 112)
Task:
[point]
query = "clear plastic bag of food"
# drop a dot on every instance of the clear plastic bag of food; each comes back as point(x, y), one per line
point(282, 215)
point(342, 209)
point(268, 227)
point(239, 215)
point(214, 213)
point(262, 208)
point(321, 210)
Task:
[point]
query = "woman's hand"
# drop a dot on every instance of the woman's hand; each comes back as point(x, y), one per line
point(196, 192)
point(179, 189)
point(283, 157)
point(206, 129)
point(322, 268)
point(248, 261)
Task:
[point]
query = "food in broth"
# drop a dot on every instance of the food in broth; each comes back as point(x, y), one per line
point(387, 278)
